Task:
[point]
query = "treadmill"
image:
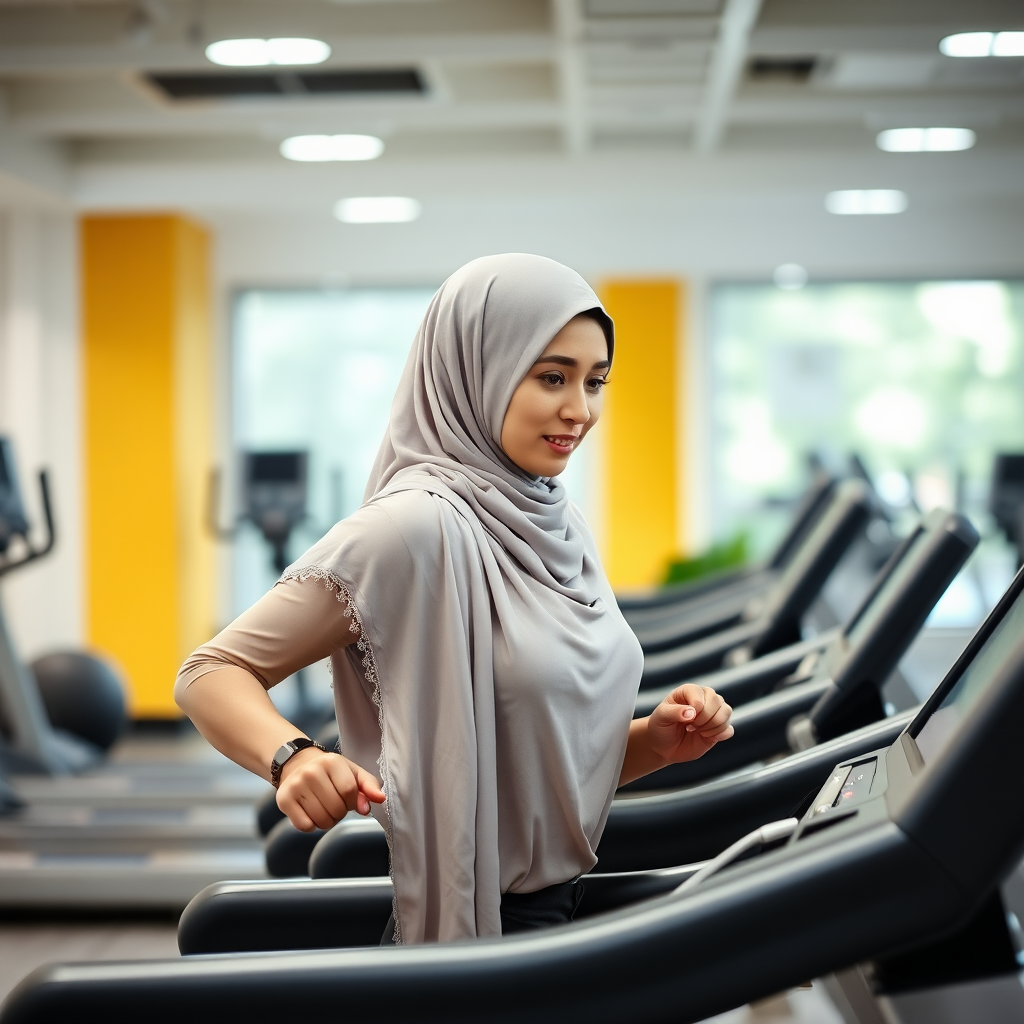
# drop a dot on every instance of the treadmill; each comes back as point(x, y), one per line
point(897, 857)
point(797, 699)
point(745, 580)
point(774, 620)
point(723, 607)
point(76, 830)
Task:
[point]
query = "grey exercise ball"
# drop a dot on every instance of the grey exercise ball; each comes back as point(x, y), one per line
point(83, 695)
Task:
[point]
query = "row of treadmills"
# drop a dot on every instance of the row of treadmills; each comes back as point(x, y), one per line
point(837, 835)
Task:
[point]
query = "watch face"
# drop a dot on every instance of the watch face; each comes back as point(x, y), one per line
point(284, 752)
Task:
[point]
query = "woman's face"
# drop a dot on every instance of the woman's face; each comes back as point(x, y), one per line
point(558, 400)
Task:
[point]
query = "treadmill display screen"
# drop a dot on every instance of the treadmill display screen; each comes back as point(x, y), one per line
point(942, 724)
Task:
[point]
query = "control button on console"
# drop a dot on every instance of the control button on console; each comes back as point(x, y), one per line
point(830, 791)
point(858, 782)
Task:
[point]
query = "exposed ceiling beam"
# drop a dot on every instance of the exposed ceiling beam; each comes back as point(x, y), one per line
point(981, 108)
point(726, 67)
point(40, 166)
point(572, 74)
point(292, 117)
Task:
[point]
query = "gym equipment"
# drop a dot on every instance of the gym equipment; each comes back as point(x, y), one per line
point(774, 620)
point(840, 689)
point(274, 497)
point(901, 848)
point(746, 579)
point(796, 698)
point(119, 833)
point(28, 740)
point(82, 695)
point(1006, 499)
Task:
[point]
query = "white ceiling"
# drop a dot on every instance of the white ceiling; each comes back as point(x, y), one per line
point(564, 75)
point(587, 106)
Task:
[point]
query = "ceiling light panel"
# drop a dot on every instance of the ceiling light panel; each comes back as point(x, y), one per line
point(983, 44)
point(326, 148)
point(925, 140)
point(861, 201)
point(250, 53)
point(377, 210)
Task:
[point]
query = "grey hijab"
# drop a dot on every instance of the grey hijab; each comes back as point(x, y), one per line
point(483, 330)
point(452, 540)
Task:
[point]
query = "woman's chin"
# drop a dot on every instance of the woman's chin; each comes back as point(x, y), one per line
point(551, 466)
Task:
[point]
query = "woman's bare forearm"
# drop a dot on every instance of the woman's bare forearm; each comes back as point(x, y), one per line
point(640, 759)
point(233, 711)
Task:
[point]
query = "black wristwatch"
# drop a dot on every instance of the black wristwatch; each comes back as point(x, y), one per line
point(287, 750)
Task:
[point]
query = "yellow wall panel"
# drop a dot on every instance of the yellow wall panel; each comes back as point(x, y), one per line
point(640, 447)
point(194, 438)
point(146, 342)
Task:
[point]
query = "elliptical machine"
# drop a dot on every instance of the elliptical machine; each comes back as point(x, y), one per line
point(274, 499)
point(66, 724)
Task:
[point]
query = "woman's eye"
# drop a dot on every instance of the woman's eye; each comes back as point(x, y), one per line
point(554, 379)
point(596, 383)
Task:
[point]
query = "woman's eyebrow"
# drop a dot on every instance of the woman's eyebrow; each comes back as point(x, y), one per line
point(569, 361)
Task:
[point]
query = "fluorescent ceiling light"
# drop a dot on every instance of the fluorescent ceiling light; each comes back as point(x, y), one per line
point(1008, 44)
point(925, 140)
point(790, 277)
point(319, 148)
point(866, 201)
point(249, 53)
point(983, 44)
point(376, 209)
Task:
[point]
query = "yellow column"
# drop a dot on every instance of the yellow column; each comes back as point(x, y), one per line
point(640, 441)
point(147, 446)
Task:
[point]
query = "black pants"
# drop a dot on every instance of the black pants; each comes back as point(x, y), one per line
point(527, 911)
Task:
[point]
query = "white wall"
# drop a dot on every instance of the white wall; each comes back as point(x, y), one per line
point(40, 410)
point(729, 215)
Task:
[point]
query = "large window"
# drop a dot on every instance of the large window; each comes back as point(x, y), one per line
point(316, 371)
point(923, 380)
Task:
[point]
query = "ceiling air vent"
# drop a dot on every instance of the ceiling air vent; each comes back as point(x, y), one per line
point(781, 69)
point(226, 85)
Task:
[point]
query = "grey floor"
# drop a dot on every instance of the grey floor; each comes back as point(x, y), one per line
point(26, 945)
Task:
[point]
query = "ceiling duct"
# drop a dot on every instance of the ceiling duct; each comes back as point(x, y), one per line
point(232, 84)
point(781, 69)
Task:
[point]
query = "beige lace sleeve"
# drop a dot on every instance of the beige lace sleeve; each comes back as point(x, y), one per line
point(293, 625)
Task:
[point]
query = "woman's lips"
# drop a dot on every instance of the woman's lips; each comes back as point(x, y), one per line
point(563, 444)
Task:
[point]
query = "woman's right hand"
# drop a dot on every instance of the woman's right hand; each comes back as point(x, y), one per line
point(318, 789)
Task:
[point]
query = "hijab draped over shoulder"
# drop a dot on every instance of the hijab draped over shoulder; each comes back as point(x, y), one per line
point(489, 639)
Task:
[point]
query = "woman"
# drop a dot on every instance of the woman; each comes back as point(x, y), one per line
point(478, 655)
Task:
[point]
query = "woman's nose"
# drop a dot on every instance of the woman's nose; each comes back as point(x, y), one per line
point(576, 409)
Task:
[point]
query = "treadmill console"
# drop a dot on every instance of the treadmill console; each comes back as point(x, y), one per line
point(849, 786)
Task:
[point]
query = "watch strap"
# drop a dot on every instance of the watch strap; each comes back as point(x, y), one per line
point(287, 751)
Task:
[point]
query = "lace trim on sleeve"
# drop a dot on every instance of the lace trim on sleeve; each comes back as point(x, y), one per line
point(334, 582)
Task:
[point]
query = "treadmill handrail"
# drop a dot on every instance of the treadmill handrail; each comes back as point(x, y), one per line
point(805, 575)
point(624, 964)
point(741, 683)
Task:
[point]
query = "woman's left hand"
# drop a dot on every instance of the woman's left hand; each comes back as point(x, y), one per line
point(688, 723)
